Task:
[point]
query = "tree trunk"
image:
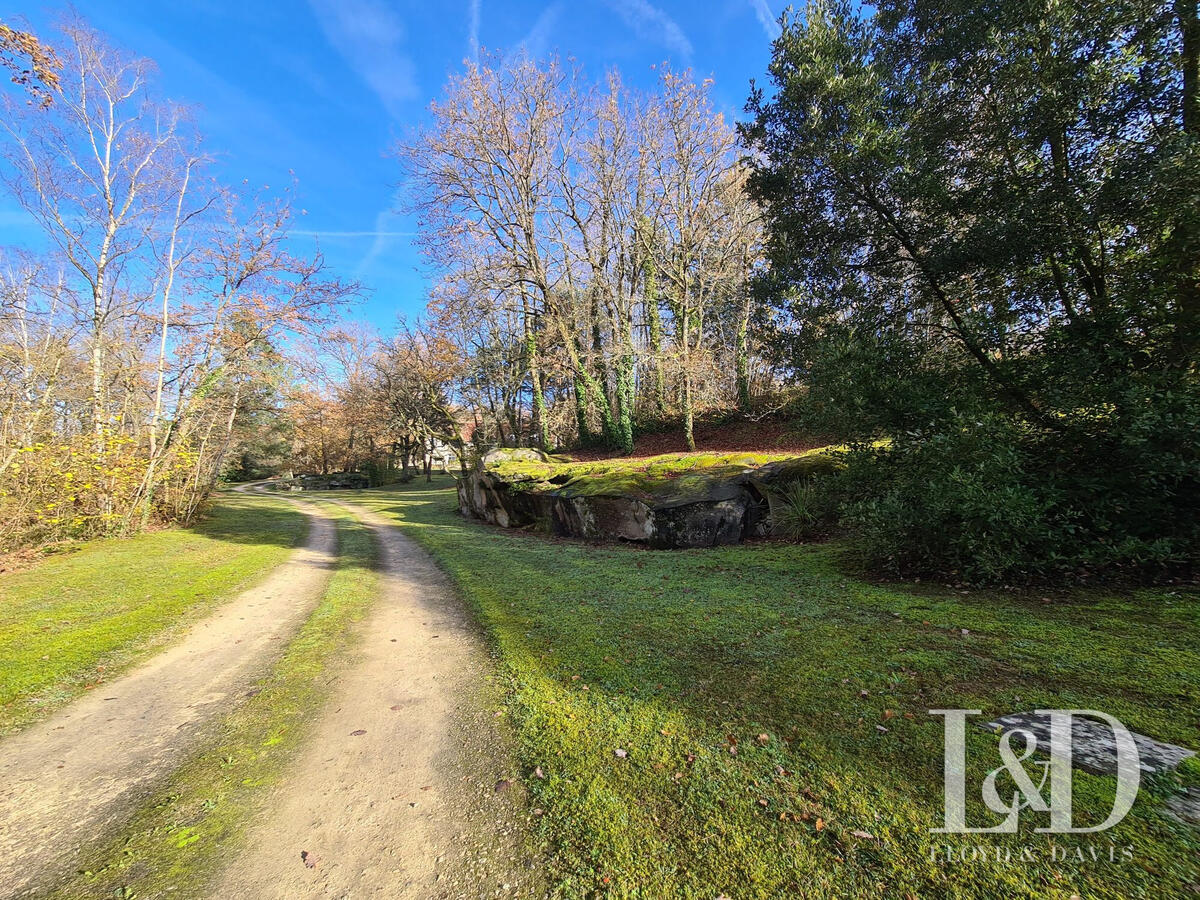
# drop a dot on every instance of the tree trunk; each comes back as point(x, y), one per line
point(97, 363)
point(1189, 60)
point(742, 351)
point(688, 435)
point(653, 325)
point(1184, 238)
point(580, 389)
point(625, 398)
point(540, 428)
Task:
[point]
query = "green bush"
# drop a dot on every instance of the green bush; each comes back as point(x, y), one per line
point(955, 504)
point(982, 498)
point(806, 507)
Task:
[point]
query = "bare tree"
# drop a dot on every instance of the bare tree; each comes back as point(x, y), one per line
point(139, 349)
point(97, 173)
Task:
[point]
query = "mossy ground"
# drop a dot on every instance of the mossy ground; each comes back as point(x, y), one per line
point(649, 478)
point(173, 844)
point(86, 614)
point(680, 658)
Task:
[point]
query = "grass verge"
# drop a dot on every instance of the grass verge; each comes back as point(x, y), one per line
point(172, 845)
point(772, 713)
point(82, 617)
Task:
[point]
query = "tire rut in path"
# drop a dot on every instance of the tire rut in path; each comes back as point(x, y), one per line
point(400, 789)
point(69, 778)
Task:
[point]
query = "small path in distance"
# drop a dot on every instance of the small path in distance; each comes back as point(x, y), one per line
point(405, 787)
point(78, 773)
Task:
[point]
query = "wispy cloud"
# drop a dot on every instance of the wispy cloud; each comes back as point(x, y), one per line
point(370, 37)
point(651, 23)
point(335, 235)
point(383, 236)
point(254, 132)
point(16, 218)
point(537, 41)
point(766, 19)
point(474, 14)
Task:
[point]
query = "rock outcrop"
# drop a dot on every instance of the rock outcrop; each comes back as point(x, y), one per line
point(334, 482)
point(721, 500)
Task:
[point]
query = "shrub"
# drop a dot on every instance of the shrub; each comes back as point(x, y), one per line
point(984, 498)
point(804, 508)
point(80, 488)
point(955, 504)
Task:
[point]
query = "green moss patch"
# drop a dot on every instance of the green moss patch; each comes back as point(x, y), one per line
point(653, 478)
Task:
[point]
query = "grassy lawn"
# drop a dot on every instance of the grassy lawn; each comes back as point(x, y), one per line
point(772, 710)
point(82, 616)
point(174, 843)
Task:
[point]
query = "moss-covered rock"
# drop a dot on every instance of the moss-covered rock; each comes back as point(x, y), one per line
point(696, 500)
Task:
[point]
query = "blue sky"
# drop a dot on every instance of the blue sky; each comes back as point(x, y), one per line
point(321, 90)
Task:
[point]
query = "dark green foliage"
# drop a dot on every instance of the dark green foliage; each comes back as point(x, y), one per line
point(984, 235)
point(987, 498)
point(794, 509)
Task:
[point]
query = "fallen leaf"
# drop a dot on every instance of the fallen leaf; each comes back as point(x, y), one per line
point(308, 859)
point(820, 823)
point(764, 739)
point(358, 732)
point(863, 834)
point(395, 708)
point(887, 714)
point(502, 785)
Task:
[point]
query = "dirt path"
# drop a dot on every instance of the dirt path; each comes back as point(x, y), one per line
point(65, 779)
point(404, 788)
